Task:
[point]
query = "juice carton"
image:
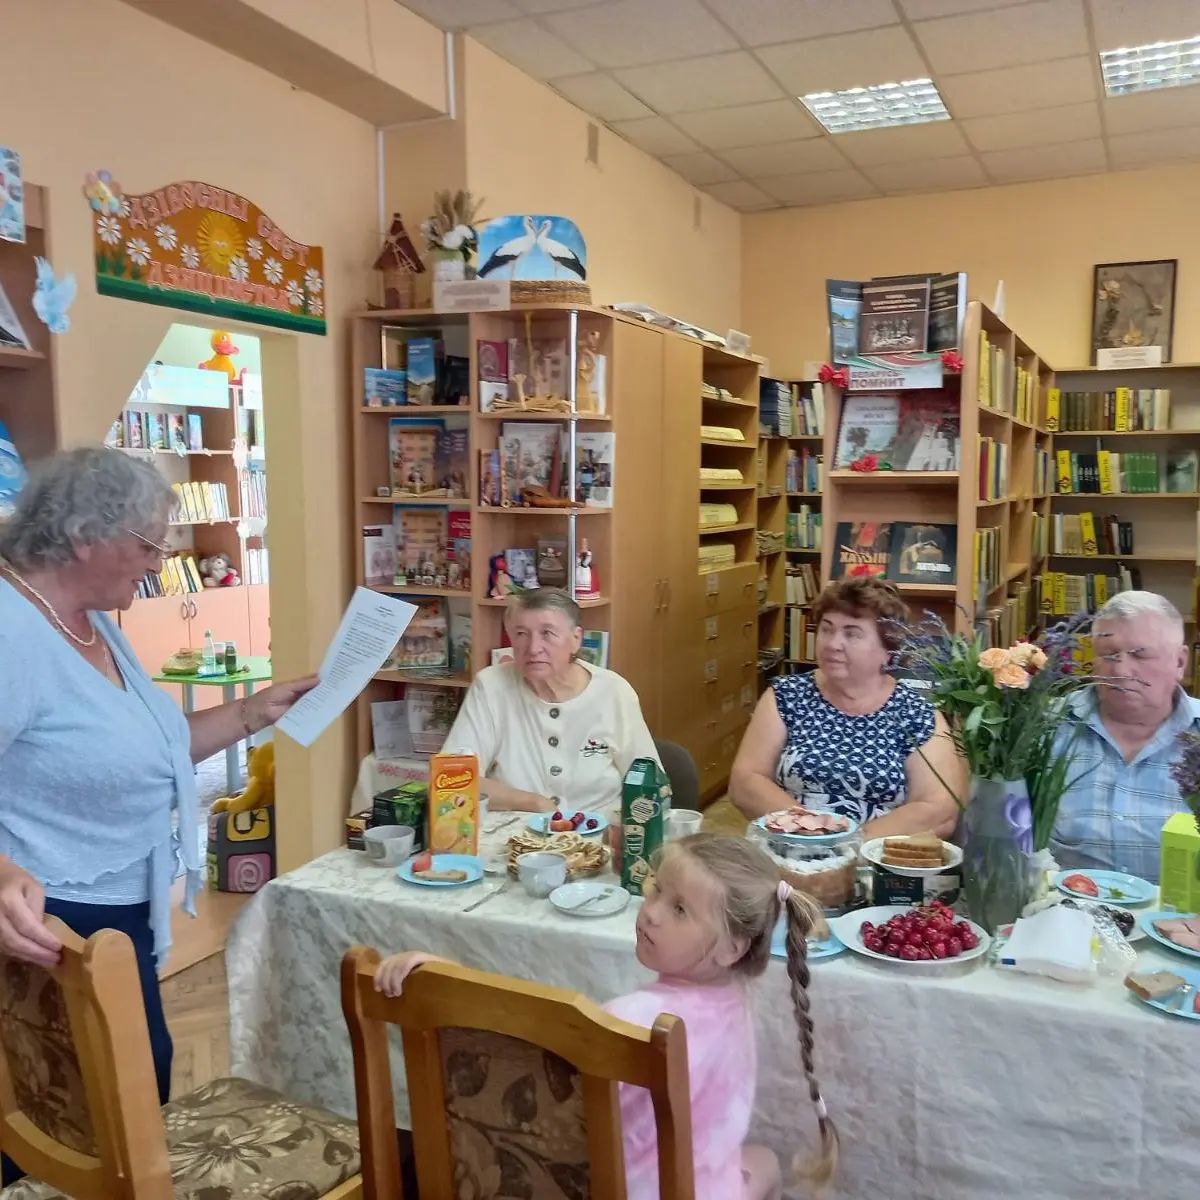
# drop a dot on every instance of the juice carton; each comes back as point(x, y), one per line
point(645, 802)
point(1179, 876)
point(454, 804)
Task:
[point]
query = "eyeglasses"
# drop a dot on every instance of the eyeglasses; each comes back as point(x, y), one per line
point(158, 547)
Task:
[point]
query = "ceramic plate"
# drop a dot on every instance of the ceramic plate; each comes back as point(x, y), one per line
point(576, 899)
point(816, 950)
point(810, 839)
point(445, 862)
point(846, 928)
point(1186, 1007)
point(1146, 920)
point(1115, 887)
point(872, 851)
point(540, 822)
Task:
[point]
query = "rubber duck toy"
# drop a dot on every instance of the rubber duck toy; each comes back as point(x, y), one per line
point(223, 349)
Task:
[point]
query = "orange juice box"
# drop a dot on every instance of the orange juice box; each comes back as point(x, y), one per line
point(454, 804)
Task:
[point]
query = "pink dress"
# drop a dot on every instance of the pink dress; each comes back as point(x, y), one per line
point(721, 1069)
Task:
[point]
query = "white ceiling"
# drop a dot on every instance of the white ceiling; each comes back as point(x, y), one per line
point(710, 86)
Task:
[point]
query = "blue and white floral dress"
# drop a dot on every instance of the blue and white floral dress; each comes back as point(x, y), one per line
point(857, 761)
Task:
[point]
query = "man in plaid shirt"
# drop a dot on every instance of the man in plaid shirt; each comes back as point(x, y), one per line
point(1121, 791)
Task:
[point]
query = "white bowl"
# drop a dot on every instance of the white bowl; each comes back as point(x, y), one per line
point(541, 872)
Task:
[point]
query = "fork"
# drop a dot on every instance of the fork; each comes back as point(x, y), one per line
point(604, 895)
point(1182, 995)
point(487, 896)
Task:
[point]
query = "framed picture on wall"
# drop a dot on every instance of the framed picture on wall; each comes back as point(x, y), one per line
point(1133, 312)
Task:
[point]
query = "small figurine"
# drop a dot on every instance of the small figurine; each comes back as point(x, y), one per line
point(587, 586)
point(217, 571)
point(500, 585)
point(223, 349)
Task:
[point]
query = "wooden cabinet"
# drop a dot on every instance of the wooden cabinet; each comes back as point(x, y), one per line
point(259, 596)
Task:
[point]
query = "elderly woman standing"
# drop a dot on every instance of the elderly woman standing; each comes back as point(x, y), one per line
point(550, 730)
point(98, 812)
point(878, 751)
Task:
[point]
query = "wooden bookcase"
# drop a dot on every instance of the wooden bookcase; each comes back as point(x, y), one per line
point(686, 642)
point(772, 522)
point(953, 497)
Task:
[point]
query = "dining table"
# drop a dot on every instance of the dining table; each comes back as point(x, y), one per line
point(945, 1080)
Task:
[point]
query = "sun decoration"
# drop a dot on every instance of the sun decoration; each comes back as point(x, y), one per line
point(220, 241)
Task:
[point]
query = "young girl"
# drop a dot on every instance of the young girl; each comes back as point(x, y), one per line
point(705, 928)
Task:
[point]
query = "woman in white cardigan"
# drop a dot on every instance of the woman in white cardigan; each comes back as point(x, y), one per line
point(550, 730)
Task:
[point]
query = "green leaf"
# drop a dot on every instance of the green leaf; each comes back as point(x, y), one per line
point(973, 719)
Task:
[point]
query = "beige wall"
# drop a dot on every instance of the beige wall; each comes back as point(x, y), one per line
point(106, 86)
point(1042, 239)
point(524, 149)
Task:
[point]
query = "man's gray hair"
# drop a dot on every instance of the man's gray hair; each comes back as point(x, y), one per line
point(1125, 606)
point(545, 599)
point(80, 497)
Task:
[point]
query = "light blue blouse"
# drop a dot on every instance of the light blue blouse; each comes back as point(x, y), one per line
point(95, 781)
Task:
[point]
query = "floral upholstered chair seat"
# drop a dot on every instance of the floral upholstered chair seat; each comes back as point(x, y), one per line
point(232, 1139)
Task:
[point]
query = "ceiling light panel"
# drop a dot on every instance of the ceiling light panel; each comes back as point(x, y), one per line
point(1148, 68)
point(912, 102)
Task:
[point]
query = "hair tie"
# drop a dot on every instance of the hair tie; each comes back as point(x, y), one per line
point(783, 891)
point(822, 1111)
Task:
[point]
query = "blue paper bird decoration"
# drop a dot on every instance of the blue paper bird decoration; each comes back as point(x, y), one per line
point(52, 297)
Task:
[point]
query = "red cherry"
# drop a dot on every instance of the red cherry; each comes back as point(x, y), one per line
point(873, 943)
point(916, 938)
point(592, 823)
point(924, 953)
point(557, 816)
point(577, 819)
point(969, 940)
point(962, 927)
point(939, 949)
point(910, 953)
point(954, 947)
point(867, 927)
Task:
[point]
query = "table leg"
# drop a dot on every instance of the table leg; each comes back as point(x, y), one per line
point(255, 739)
point(189, 699)
point(233, 772)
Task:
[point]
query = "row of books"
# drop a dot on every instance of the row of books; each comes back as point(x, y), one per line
point(1025, 385)
point(805, 471)
point(257, 565)
point(534, 454)
point(1105, 473)
point(418, 372)
point(801, 584)
point(901, 551)
point(252, 489)
point(1039, 535)
point(800, 635)
point(179, 575)
point(898, 314)
point(1064, 594)
point(427, 459)
point(987, 562)
point(1121, 410)
point(804, 528)
point(1043, 471)
point(993, 469)
point(138, 429)
point(1011, 621)
point(419, 547)
point(1086, 534)
point(790, 409)
point(201, 501)
point(917, 431)
point(993, 376)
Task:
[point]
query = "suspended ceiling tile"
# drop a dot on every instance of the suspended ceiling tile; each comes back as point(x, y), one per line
point(602, 96)
point(700, 168)
point(762, 22)
point(1134, 22)
point(531, 48)
point(928, 175)
point(920, 10)
point(1164, 109)
point(873, 147)
point(741, 195)
point(1159, 146)
point(1045, 162)
point(714, 81)
point(630, 33)
point(786, 158)
point(655, 135)
point(819, 187)
point(1036, 32)
point(748, 125)
point(845, 60)
point(1018, 89)
point(1042, 127)
point(537, 7)
point(458, 14)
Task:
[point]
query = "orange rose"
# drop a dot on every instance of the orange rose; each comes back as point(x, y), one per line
point(1012, 676)
point(994, 659)
point(1021, 652)
point(1037, 660)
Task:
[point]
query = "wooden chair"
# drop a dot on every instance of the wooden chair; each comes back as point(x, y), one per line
point(79, 1106)
point(513, 1086)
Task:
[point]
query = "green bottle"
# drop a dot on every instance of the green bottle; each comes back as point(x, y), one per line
point(645, 802)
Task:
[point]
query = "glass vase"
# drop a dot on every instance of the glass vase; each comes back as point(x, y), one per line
point(998, 873)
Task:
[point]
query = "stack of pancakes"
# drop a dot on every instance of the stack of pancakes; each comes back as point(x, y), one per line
point(919, 850)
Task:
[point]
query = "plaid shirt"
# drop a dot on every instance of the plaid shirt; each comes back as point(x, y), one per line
point(1112, 814)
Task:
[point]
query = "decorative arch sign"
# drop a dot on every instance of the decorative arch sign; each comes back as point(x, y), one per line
point(202, 248)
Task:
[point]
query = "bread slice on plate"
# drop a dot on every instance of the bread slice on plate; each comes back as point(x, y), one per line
point(917, 850)
point(1154, 985)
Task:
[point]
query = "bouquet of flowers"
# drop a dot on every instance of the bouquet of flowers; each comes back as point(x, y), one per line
point(451, 228)
point(1003, 705)
point(1186, 772)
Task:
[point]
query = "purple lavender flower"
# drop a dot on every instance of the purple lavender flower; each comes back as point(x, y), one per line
point(1186, 772)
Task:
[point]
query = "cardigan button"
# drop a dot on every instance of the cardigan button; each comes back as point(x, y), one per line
point(556, 770)
point(554, 712)
point(554, 741)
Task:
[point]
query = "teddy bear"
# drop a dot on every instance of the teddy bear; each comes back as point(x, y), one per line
point(260, 786)
point(217, 571)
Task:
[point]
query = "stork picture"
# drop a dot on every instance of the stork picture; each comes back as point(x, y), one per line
point(532, 247)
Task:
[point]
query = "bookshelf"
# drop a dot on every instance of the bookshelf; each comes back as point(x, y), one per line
point(991, 499)
point(1163, 521)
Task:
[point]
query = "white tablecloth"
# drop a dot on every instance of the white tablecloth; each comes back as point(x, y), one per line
point(971, 1082)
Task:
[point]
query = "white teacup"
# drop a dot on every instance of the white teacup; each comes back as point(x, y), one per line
point(541, 872)
point(683, 822)
point(389, 845)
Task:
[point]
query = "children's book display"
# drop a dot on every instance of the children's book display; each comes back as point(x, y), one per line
point(416, 370)
point(529, 467)
point(426, 459)
point(430, 547)
point(425, 646)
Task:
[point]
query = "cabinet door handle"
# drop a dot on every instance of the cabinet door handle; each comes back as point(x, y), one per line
point(660, 586)
point(183, 609)
point(747, 625)
point(193, 611)
point(667, 593)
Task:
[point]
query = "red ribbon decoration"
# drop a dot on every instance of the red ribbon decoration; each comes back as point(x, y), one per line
point(952, 361)
point(838, 376)
point(868, 462)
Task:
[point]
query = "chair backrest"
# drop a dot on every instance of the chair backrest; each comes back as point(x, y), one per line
point(681, 771)
point(509, 1082)
point(78, 1100)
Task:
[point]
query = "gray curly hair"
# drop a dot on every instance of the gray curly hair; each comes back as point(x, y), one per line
point(80, 497)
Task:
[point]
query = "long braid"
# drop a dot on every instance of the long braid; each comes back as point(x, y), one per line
point(802, 915)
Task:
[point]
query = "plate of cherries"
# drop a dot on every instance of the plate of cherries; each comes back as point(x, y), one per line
point(590, 824)
point(924, 935)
